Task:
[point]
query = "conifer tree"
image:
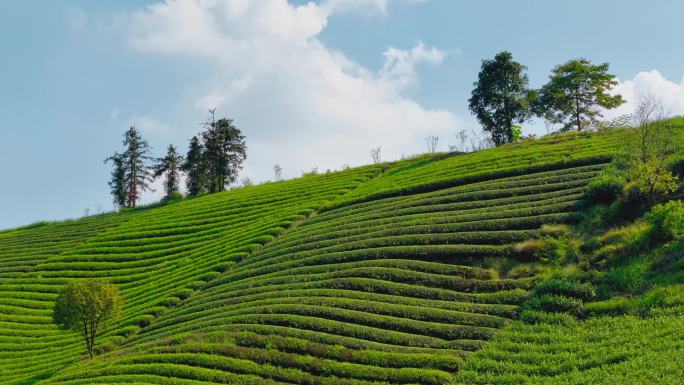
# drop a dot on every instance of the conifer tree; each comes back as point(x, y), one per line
point(193, 167)
point(137, 171)
point(170, 165)
point(224, 152)
point(117, 183)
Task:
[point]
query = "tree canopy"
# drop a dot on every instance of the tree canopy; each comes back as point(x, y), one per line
point(224, 152)
point(500, 97)
point(85, 306)
point(575, 94)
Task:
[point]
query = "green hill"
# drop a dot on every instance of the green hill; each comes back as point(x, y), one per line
point(411, 272)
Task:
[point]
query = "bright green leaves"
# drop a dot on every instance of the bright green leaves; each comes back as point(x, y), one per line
point(85, 306)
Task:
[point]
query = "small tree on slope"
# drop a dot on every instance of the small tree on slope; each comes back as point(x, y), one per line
point(86, 306)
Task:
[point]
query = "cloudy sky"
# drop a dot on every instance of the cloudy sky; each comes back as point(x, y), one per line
point(311, 84)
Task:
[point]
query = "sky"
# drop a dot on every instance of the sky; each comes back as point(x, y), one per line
point(310, 84)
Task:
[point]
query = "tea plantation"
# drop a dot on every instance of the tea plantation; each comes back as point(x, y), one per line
point(401, 273)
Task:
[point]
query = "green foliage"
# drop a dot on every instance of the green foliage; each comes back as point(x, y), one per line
point(675, 165)
point(224, 152)
point(86, 306)
point(575, 93)
point(667, 220)
point(565, 286)
point(607, 187)
point(649, 182)
point(600, 351)
point(132, 173)
point(117, 183)
point(535, 317)
point(500, 97)
point(627, 279)
point(170, 165)
point(400, 278)
point(193, 166)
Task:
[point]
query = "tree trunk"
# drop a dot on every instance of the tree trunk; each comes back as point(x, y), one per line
point(577, 114)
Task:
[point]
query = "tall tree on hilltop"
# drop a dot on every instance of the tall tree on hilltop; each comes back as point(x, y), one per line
point(224, 152)
point(170, 165)
point(575, 93)
point(117, 183)
point(500, 98)
point(131, 175)
point(194, 167)
point(136, 160)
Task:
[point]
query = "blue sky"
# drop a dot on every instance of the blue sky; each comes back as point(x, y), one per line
point(311, 84)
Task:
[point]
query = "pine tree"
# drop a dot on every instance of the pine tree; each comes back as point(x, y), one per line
point(194, 167)
point(117, 184)
point(137, 174)
point(224, 152)
point(170, 165)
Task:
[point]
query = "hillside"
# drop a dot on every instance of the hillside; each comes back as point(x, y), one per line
point(409, 272)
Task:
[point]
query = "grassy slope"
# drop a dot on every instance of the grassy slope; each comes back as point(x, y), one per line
point(384, 284)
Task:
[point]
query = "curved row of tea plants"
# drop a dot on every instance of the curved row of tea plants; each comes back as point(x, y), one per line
point(391, 290)
point(156, 256)
point(605, 350)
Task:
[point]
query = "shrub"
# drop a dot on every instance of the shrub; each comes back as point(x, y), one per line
point(566, 287)
point(629, 279)
point(667, 220)
point(605, 188)
point(649, 183)
point(652, 300)
point(534, 317)
point(676, 165)
point(555, 304)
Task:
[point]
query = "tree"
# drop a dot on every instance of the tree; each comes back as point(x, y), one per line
point(117, 183)
point(500, 97)
point(194, 167)
point(136, 159)
point(432, 141)
point(375, 155)
point(655, 140)
point(131, 175)
point(171, 166)
point(224, 152)
point(575, 93)
point(86, 306)
point(278, 172)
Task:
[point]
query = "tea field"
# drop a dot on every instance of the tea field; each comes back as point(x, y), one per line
point(399, 273)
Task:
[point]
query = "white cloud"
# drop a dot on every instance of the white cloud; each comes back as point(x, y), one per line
point(651, 82)
point(300, 103)
point(149, 126)
point(113, 114)
point(76, 19)
point(399, 65)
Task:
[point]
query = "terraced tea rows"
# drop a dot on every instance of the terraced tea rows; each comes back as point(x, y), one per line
point(505, 161)
point(157, 257)
point(379, 291)
point(602, 351)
